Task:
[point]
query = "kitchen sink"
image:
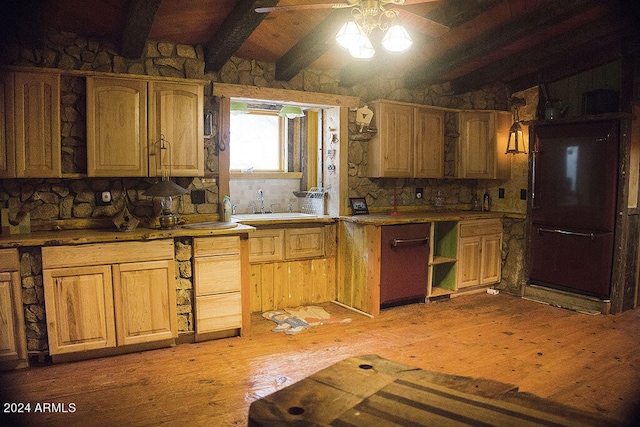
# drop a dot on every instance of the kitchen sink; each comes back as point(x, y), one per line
point(268, 216)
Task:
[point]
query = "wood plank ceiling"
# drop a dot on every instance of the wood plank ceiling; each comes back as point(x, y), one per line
point(518, 42)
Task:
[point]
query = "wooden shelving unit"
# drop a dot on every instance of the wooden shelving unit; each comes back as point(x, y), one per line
point(443, 260)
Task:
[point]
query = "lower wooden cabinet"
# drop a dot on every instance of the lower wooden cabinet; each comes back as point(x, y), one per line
point(144, 301)
point(218, 277)
point(292, 266)
point(479, 252)
point(13, 345)
point(128, 299)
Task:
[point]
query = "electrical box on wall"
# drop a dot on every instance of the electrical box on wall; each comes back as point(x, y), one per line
point(103, 198)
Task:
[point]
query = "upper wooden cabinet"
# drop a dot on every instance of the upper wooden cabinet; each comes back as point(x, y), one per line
point(176, 111)
point(482, 144)
point(7, 146)
point(30, 130)
point(116, 127)
point(428, 160)
point(127, 118)
point(409, 142)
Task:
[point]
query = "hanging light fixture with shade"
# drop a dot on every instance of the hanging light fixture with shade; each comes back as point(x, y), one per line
point(165, 190)
point(367, 16)
point(291, 112)
point(515, 144)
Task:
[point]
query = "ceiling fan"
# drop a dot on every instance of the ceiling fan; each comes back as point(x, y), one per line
point(368, 15)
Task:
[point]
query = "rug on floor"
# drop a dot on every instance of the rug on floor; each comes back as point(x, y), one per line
point(293, 320)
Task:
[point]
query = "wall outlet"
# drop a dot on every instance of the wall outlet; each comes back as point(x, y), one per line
point(103, 198)
point(523, 194)
point(419, 192)
point(198, 197)
point(500, 193)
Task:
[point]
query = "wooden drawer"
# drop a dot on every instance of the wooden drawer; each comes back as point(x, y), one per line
point(207, 246)
point(9, 260)
point(106, 253)
point(304, 243)
point(266, 245)
point(480, 227)
point(217, 274)
point(218, 312)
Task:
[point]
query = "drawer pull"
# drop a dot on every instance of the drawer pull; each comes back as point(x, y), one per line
point(396, 242)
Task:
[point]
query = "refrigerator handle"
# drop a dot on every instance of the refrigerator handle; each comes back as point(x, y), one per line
point(534, 154)
point(565, 232)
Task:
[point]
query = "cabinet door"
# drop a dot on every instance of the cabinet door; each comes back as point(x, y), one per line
point(391, 149)
point(469, 261)
point(266, 245)
point(13, 345)
point(37, 125)
point(428, 143)
point(145, 301)
point(491, 259)
point(79, 309)
point(304, 243)
point(116, 127)
point(7, 144)
point(176, 111)
point(476, 145)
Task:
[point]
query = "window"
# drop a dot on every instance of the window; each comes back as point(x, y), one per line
point(257, 142)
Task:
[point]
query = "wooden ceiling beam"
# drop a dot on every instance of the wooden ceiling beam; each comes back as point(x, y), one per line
point(545, 16)
point(585, 39)
point(241, 22)
point(140, 18)
point(310, 48)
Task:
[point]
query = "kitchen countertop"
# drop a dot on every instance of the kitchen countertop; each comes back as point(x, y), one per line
point(78, 237)
point(282, 219)
point(419, 217)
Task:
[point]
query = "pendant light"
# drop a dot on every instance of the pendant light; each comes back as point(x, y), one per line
point(291, 112)
point(516, 136)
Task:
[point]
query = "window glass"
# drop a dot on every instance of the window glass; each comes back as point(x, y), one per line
point(256, 141)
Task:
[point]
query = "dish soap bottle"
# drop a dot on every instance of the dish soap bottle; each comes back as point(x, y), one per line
point(226, 208)
point(486, 202)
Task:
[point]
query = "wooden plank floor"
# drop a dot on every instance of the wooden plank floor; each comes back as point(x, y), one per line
point(588, 362)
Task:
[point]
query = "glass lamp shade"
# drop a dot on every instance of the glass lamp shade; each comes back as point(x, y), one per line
point(349, 34)
point(516, 137)
point(291, 112)
point(396, 39)
point(363, 49)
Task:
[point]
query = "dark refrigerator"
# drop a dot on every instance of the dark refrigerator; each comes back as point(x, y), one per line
point(573, 204)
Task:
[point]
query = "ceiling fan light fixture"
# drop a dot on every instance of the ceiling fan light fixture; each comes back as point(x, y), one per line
point(291, 112)
point(396, 39)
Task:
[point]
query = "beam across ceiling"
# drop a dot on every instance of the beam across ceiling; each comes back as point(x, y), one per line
point(590, 40)
point(136, 30)
point(544, 16)
point(241, 22)
point(310, 47)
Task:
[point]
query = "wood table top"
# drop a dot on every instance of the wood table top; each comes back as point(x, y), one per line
point(372, 391)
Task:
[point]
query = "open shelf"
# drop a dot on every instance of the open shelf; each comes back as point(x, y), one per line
point(442, 260)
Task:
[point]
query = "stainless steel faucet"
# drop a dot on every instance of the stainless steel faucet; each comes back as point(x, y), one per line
point(261, 199)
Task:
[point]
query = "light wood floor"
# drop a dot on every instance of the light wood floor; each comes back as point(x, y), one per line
point(588, 362)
